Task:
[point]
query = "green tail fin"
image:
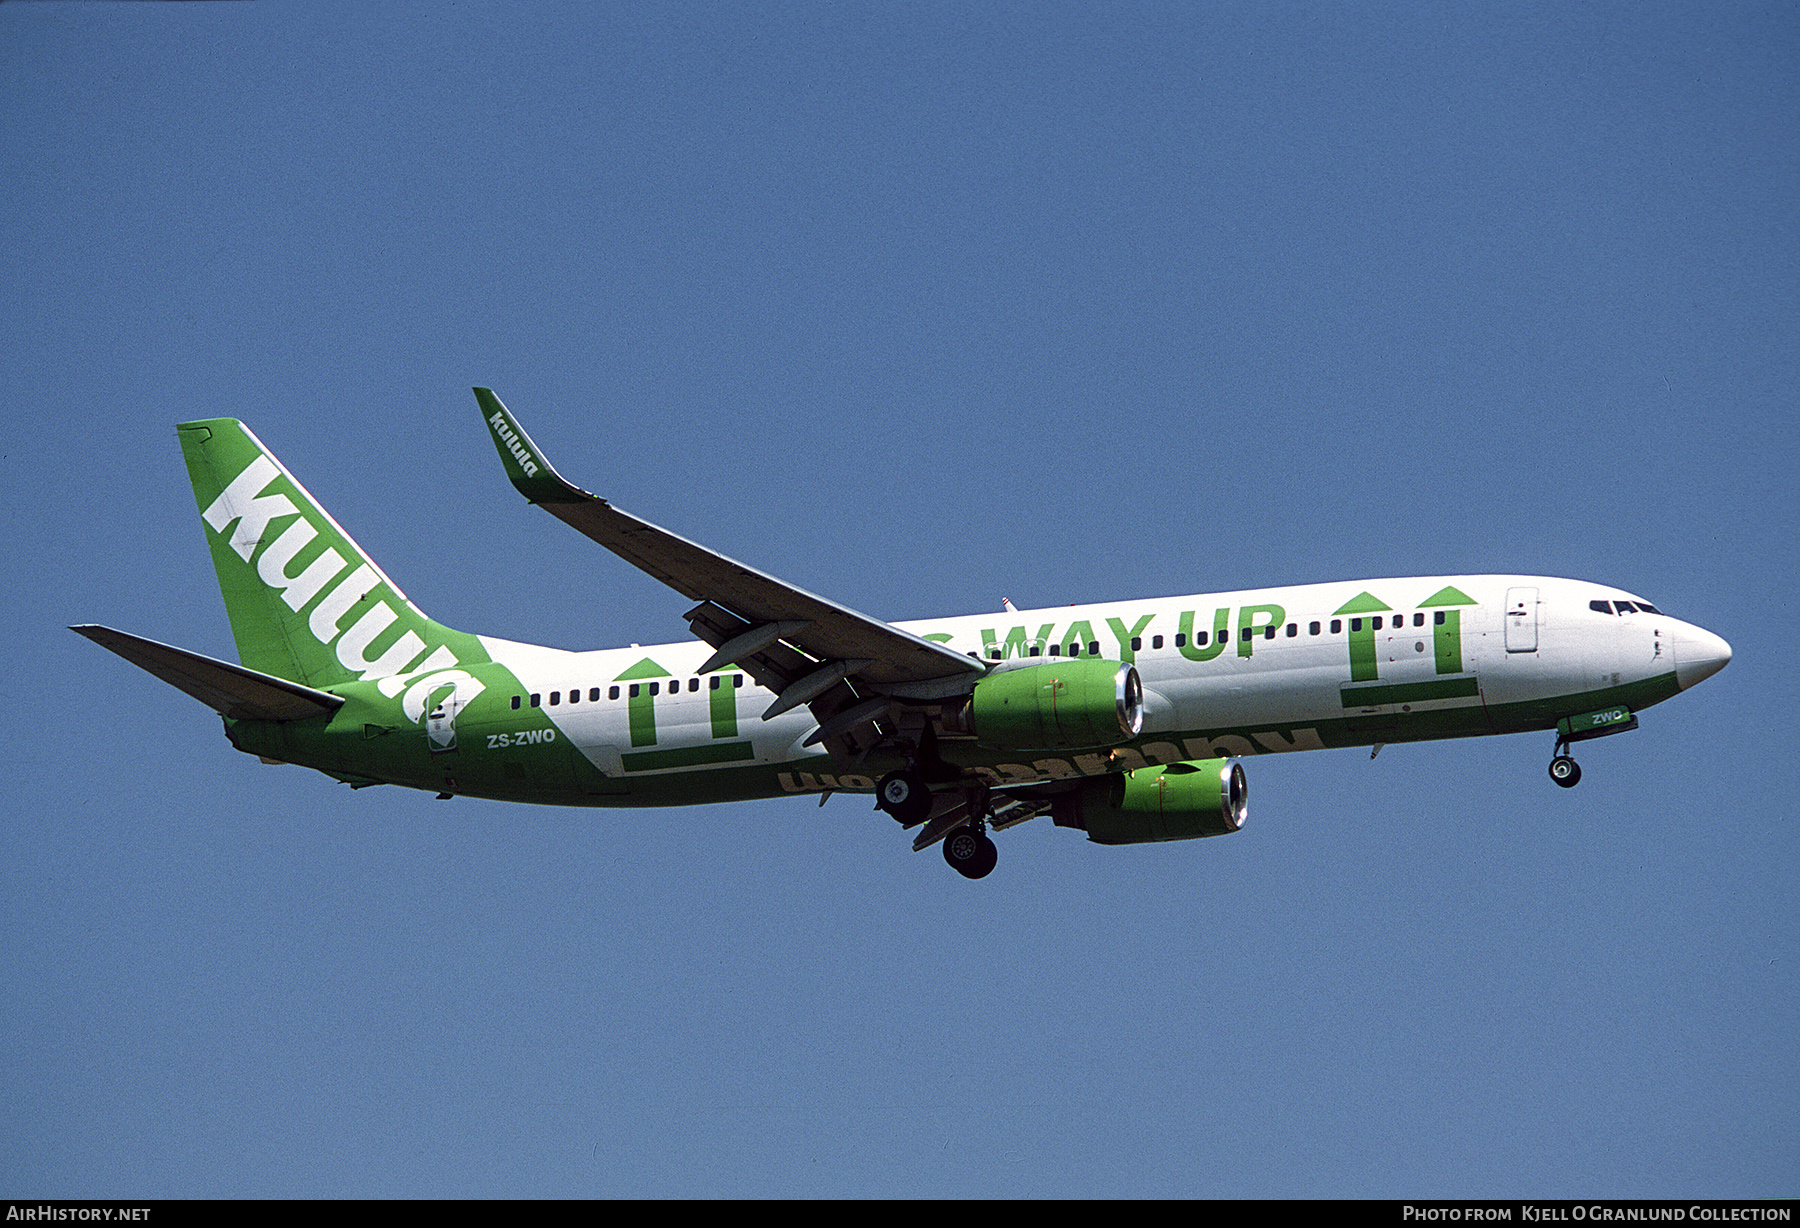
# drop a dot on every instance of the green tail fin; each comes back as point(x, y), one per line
point(306, 603)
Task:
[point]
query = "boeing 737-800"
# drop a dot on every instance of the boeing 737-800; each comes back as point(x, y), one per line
point(1125, 720)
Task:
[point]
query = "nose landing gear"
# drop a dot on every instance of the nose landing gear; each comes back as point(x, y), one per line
point(1571, 729)
point(1564, 770)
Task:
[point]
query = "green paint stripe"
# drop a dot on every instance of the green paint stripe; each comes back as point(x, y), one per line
point(750, 780)
point(688, 756)
point(1409, 692)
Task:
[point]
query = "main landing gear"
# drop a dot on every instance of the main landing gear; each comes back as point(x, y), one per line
point(970, 852)
point(906, 795)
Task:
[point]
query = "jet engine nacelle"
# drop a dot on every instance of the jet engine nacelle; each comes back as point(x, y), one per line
point(1072, 704)
point(1179, 801)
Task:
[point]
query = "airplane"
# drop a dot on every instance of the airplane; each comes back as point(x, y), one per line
point(1127, 721)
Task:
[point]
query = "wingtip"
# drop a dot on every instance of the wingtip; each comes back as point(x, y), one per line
point(529, 470)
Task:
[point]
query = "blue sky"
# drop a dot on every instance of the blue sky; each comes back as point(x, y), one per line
point(918, 306)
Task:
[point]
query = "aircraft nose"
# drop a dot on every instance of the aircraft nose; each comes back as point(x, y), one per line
point(1699, 654)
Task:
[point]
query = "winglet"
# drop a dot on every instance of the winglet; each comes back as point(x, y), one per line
point(526, 465)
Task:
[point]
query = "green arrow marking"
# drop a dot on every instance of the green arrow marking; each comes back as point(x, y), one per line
point(1446, 636)
point(1362, 635)
point(721, 704)
point(640, 709)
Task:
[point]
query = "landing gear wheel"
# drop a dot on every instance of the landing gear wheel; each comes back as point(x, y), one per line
point(970, 852)
point(905, 796)
point(1565, 771)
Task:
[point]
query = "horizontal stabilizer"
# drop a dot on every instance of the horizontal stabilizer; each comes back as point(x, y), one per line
point(230, 690)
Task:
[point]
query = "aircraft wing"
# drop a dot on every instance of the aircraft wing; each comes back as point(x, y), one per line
point(743, 611)
point(230, 690)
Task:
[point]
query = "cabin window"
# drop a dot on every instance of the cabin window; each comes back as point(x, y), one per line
point(1600, 607)
point(1093, 648)
point(1056, 650)
point(594, 694)
point(1137, 643)
point(534, 700)
point(712, 683)
point(1337, 625)
point(1181, 639)
point(575, 696)
point(634, 689)
point(1037, 650)
point(555, 696)
point(1269, 631)
point(515, 702)
point(1355, 625)
point(737, 680)
point(693, 684)
point(655, 688)
point(612, 692)
point(1312, 628)
point(1437, 619)
point(1418, 620)
point(1155, 642)
point(1644, 607)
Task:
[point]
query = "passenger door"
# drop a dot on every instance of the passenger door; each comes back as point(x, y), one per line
point(1521, 620)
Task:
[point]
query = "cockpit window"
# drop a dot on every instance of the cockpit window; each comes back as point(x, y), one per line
point(1623, 607)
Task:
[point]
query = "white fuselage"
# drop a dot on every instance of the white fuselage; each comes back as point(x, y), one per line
point(1262, 670)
